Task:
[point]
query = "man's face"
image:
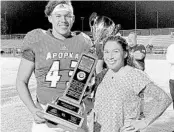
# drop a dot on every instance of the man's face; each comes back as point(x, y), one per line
point(62, 22)
point(132, 40)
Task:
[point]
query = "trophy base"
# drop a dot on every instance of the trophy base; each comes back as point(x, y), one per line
point(67, 104)
point(63, 116)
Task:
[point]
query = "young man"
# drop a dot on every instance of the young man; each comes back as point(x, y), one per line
point(137, 52)
point(170, 59)
point(52, 55)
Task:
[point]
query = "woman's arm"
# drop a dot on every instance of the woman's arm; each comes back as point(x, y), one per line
point(156, 101)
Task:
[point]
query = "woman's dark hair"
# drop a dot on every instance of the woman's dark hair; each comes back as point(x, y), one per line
point(119, 40)
point(52, 4)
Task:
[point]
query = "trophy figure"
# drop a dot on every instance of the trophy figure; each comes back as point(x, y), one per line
point(67, 110)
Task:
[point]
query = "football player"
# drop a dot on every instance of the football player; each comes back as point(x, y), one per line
point(137, 52)
point(52, 55)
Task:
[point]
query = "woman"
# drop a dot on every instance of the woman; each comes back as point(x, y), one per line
point(117, 101)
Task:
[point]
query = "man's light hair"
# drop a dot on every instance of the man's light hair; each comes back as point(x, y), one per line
point(133, 33)
point(53, 3)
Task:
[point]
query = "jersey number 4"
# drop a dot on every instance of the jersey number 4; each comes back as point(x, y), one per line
point(53, 74)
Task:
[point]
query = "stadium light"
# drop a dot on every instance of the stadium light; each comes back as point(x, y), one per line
point(82, 18)
point(157, 19)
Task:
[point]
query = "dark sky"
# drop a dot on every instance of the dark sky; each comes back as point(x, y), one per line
point(23, 16)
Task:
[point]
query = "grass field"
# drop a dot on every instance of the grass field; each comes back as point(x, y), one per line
point(15, 117)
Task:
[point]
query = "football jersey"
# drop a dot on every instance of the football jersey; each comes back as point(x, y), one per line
point(54, 60)
point(140, 64)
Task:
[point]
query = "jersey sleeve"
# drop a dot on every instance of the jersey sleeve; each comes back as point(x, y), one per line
point(87, 41)
point(29, 42)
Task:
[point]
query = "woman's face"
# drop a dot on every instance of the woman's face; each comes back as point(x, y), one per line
point(114, 55)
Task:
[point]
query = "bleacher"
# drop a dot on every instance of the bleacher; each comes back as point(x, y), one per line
point(159, 39)
point(159, 42)
point(11, 47)
point(144, 40)
point(11, 43)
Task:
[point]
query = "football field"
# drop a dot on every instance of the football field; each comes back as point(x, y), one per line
point(15, 117)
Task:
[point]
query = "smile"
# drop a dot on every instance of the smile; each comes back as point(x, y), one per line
point(63, 26)
point(111, 62)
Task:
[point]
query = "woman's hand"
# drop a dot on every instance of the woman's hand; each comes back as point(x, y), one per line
point(92, 81)
point(134, 126)
point(88, 91)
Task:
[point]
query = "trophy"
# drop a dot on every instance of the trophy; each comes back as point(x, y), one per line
point(67, 110)
point(101, 27)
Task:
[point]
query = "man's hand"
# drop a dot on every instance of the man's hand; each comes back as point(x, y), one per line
point(67, 129)
point(38, 116)
point(134, 126)
point(138, 55)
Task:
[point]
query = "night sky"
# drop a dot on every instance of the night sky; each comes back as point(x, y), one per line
point(23, 16)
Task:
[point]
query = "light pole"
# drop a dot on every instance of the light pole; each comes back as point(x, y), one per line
point(82, 18)
point(135, 16)
point(157, 19)
point(5, 19)
point(5, 13)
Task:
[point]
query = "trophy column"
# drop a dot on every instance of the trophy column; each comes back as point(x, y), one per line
point(67, 109)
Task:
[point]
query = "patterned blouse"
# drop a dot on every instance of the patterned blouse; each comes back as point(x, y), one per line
point(117, 100)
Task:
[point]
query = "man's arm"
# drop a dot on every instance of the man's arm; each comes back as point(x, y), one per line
point(170, 54)
point(24, 73)
point(140, 53)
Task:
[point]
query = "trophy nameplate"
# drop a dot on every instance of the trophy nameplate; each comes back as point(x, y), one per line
point(67, 109)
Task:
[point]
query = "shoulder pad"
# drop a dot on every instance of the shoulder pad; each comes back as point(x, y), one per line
point(75, 33)
point(85, 36)
point(34, 36)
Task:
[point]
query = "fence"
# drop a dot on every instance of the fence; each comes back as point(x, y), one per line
point(7, 52)
point(149, 32)
point(143, 32)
